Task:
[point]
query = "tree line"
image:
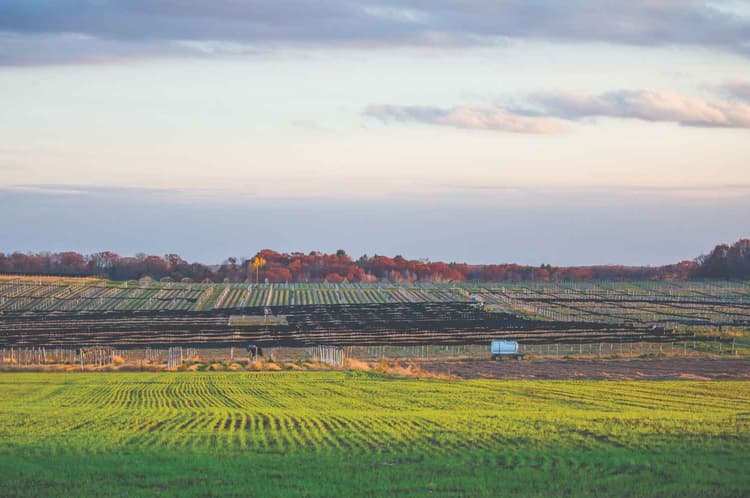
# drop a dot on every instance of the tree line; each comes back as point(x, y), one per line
point(725, 261)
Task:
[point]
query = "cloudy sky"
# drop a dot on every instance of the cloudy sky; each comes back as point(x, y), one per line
point(535, 131)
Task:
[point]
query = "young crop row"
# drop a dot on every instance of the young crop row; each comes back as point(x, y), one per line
point(349, 433)
point(357, 413)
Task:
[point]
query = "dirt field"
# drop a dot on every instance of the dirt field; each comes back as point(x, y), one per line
point(654, 369)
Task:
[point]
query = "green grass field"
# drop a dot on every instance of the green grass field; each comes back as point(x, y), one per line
point(355, 433)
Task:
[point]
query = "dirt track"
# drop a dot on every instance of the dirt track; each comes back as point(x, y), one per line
point(653, 369)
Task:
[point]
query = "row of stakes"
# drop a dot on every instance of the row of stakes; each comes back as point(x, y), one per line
point(101, 356)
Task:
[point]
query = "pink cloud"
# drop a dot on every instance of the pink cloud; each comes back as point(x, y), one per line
point(470, 118)
point(648, 105)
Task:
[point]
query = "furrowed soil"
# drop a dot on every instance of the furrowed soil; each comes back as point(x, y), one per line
point(613, 369)
point(330, 433)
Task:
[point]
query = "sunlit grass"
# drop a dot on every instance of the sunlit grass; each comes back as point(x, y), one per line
point(333, 432)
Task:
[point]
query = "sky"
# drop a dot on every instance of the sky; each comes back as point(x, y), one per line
point(565, 132)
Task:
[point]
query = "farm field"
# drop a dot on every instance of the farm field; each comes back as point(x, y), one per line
point(359, 433)
point(68, 313)
point(674, 368)
point(695, 303)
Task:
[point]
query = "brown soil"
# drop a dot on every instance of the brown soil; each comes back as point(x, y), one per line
point(616, 369)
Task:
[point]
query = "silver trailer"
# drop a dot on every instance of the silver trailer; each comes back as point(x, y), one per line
point(505, 349)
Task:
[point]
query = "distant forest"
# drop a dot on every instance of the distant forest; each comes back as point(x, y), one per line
point(725, 261)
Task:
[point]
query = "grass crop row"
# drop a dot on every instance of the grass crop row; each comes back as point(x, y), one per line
point(323, 433)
